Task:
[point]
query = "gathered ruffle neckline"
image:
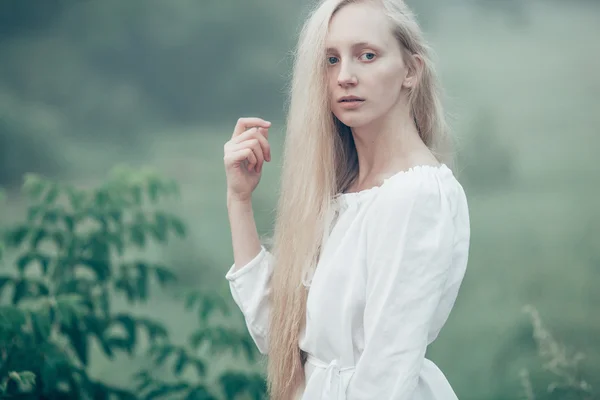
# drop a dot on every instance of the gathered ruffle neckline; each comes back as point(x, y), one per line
point(343, 200)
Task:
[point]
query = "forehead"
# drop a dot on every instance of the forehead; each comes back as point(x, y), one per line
point(359, 22)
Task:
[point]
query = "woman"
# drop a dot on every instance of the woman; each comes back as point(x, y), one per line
point(372, 231)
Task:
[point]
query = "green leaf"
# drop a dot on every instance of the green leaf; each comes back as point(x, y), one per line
point(59, 239)
point(99, 266)
point(41, 324)
point(101, 198)
point(200, 393)
point(210, 303)
point(178, 227)
point(34, 211)
point(145, 380)
point(76, 198)
point(142, 281)
point(34, 186)
point(155, 330)
point(116, 239)
point(29, 288)
point(154, 189)
point(21, 291)
point(164, 276)
point(200, 367)
point(51, 194)
point(70, 308)
point(25, 379)
point(234, 384)
point(121, 344)
point(53, 215)
point(124, 284)
point(38, 235)
point(191, 299)
point(4, 280)
point(104, 301)
point(79, 341)
point(137, 235)
point(26, 259)
point(97, 327)
point(159, 228)
point(14, 237)
point(166, 389)
point(69, 221)
point(219, 339)
point(116, 215)
point(11, 318)
point(162, 353)
point(99, 246)
point(181, 362)
point(129, 325)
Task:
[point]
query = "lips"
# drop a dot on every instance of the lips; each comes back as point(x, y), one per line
point(349, 99)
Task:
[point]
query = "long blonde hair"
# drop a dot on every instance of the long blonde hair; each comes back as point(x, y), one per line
point(320, 161)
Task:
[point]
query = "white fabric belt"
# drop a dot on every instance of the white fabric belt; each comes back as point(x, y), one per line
point(328, 381)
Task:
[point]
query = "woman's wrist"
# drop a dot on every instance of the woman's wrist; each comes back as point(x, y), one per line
point(234, 200)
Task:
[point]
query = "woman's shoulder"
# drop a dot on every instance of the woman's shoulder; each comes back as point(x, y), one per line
point(424, 185)
point(422, 191)
point(420, 182)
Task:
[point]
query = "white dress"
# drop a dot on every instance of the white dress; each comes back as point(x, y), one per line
point(384, 286)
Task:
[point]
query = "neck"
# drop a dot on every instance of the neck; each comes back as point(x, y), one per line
point(388, 145)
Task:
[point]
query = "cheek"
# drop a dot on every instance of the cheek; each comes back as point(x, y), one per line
point(388, 82)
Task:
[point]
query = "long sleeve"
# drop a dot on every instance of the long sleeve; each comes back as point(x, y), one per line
point(409, 250)
point(250, 290)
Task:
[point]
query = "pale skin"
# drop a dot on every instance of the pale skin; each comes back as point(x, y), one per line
point(245, 154)
point(363, 59)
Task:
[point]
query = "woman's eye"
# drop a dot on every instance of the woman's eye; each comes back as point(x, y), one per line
point(331, 60)
point(370, 56)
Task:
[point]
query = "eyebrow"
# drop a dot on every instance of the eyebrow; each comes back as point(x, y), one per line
point(354, 46)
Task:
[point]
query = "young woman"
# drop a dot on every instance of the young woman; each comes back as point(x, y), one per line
point(372, 231)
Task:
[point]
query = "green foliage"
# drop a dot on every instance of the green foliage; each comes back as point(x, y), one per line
point(76, 250)
point(183, 360)
point(563, 379)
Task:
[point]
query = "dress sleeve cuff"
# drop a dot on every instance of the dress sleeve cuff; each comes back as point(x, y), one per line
point(235, 272)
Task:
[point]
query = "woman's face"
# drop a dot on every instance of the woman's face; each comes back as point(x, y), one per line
point(364, 60)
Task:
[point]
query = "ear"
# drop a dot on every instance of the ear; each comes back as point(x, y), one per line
point(415, 68)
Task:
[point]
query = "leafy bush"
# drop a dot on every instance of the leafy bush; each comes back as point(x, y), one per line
point(75, 252)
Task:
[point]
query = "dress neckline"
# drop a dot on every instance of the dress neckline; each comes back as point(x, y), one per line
point(342, 199)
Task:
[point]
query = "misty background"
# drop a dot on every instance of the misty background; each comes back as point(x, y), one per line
point(89, 84)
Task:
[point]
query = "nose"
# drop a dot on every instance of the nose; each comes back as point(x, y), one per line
point(346, 76)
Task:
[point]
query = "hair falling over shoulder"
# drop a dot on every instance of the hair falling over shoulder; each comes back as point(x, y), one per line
point(319, 160)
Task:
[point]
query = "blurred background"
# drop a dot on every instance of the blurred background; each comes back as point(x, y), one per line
point(89, 84)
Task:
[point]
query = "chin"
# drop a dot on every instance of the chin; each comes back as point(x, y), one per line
point(355, 120)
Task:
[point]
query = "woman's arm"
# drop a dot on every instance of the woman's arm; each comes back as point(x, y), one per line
point(244, 235)
point(250, 274)
point(249, 277)
point(409, 255)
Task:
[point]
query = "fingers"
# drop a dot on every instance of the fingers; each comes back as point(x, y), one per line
point(243, 124)
point(239, 156)
point(261, 134)
point(256, 148)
